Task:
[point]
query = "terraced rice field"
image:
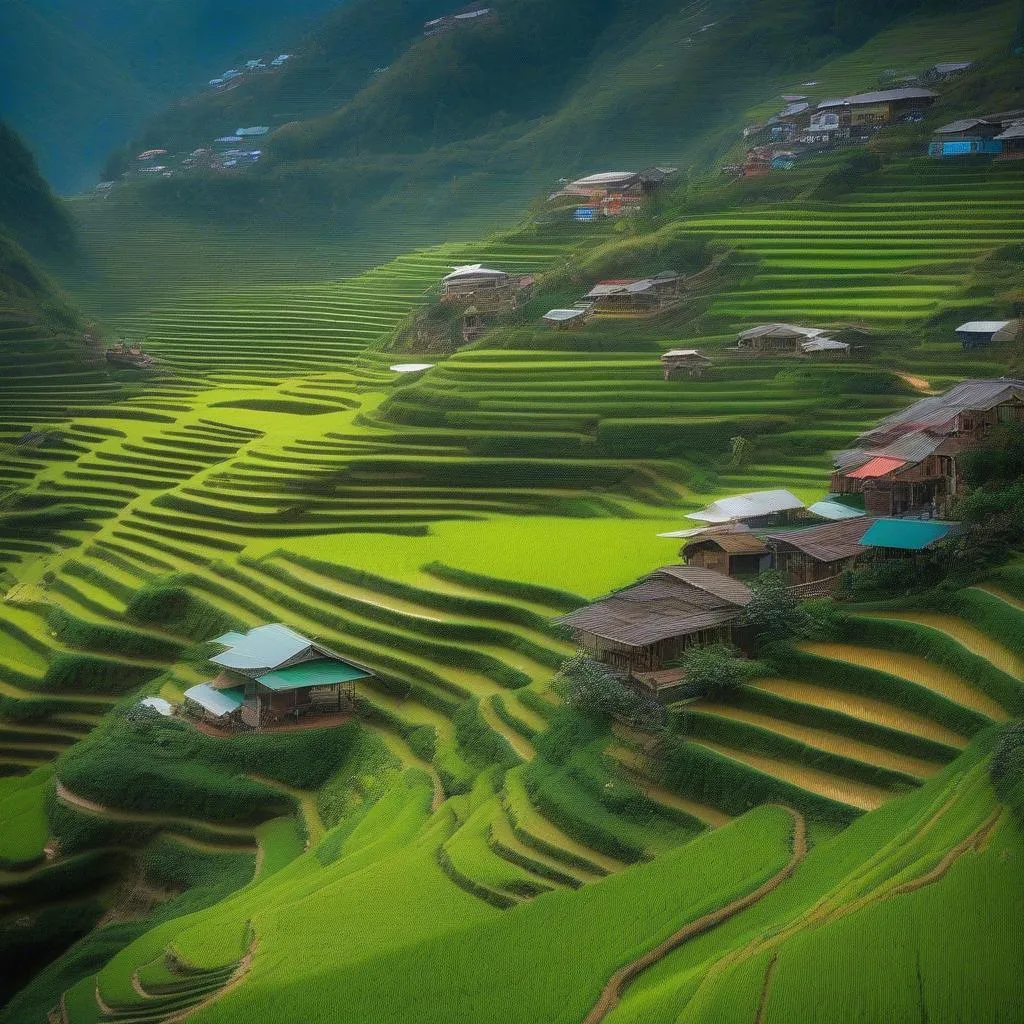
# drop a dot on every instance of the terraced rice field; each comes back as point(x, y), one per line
point(433, 527)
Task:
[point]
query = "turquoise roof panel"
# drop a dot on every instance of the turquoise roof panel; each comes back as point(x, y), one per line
point(835, 510)
point(321, 672)
point(217, 702)
point(262, 647)
point(906, 534)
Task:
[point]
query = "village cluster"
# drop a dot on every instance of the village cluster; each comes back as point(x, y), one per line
point(887, 500)
point(805, 126)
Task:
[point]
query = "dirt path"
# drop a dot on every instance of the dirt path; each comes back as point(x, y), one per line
point(917, 383)
point(307, 807)
point(612, 991)
point(1002, 595)
point(113, 814)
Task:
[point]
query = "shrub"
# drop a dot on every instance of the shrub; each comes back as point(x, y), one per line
point(1007, 768)
point(595, 692)
point(715, 670)
point(775, 611)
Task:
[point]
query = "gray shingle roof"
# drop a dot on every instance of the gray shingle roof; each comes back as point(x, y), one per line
point(676, 600)
point(890, 95)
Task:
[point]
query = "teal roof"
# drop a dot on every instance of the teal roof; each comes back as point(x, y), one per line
point(217, 702)
point(321, 672)
point(907, 534)
point(835, 510)
point(262, 647)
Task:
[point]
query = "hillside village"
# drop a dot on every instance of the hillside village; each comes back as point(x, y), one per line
point(610, 616)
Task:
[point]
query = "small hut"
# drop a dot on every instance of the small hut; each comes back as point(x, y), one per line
point(732, 552)
point(684, 362)
point(639, 631)
point(818, 553)
point(567, 319)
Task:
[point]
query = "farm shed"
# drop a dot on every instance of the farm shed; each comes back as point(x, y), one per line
point(902, 538)
point(639, 631)
point(684, 362)
point(885, 105)
point(825, 348)
point(979, 333)
point(909, 463)
point(818, 553)
point(566, 319)
point(632, 296)
point(490, 291)
point(1012, 138)
point(733, 552)
point(606, 184)
point(273, 675)
point(776, 339)
point(756, 508)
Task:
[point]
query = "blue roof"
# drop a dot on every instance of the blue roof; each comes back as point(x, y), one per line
point(906, 534)
point(262, 647)
point(217, 702)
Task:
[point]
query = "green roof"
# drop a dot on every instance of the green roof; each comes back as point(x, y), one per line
point(320, 672)
point(908, 534)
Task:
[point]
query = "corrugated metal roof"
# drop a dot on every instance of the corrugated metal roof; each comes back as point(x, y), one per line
point(829, 542)
point(876, 467)
point(906, 534)
point(217, 702)
point(963, 125)
point(474, 270)
point(940, 411)
point(914, 447)
point(1015, 131)
point(890, 95)
point(561, 315)
point(835, 510)
point(748, 506)
point(320, 672)
point(679, 353)
point(824, 345)
point(985, 326)
point(731, 542)
point(723, 587)
point(780, 331)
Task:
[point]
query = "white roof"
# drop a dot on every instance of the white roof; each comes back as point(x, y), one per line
point(474, 270)
point(1015, 131)
point(985, 326)
point(823, 345)
point(256, 129)
point(262, 647)
point(748, 506)
point(834, 510)
point(158, 704)
point(410, 367)
point(766, 329)
point(560, 315)
point(683, 352)
point(605, 178)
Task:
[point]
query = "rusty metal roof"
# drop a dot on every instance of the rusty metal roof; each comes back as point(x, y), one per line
point(829, 542)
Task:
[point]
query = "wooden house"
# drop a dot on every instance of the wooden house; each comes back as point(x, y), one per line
point(818, 554)
point(979, 333)
point(909, 463)
point(684, 362)
point(635, 297)
point(641, 630)
point(775, 339)
point(965, 137)
point(272, 676)
point(732, 552)
point(885, 105)
point(1012, 139)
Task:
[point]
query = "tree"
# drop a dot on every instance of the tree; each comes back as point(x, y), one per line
point(594, 691)
point(775, 611)
point(715, 670)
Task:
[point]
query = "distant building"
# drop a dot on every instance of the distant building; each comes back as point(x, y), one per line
point(684, 362)
point(910, 463)
point(946, 69)
point(609, 184)
point(882, 106)
point(1012, 139)
point(630, 296)
point(272, 676)
point(567, 319)
point(776, 339)
point(639, 631)
point(464, 15)
point(966, 137)
point(254, 131)
point(979, 333)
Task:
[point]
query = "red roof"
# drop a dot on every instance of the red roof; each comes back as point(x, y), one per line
point(878, 466)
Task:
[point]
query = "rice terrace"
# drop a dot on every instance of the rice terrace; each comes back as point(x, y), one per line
point(512, 513)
